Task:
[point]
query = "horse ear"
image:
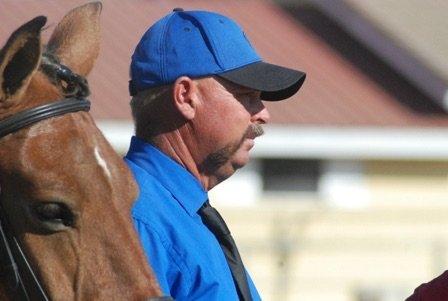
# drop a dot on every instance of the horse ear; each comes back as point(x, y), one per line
point(76, 39)
point(20, 57)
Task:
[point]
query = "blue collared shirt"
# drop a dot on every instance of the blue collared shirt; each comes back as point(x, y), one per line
point(185, 256)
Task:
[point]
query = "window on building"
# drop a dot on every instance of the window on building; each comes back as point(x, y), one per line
point(290, 175)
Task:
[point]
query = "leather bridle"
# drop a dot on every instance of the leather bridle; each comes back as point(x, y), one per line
point(31, 116)
point(22, 280)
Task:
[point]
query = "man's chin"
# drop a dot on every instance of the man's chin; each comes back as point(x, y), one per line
point(237, 161)
point(240, 159)
point(226, 161)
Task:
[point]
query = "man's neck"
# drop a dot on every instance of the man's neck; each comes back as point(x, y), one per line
point(174, 146)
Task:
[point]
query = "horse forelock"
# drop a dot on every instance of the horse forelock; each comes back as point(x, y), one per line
point(69, 83)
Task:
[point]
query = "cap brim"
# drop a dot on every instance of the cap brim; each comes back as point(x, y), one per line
point(274, 82)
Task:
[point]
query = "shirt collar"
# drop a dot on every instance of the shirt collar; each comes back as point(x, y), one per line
point(185, 188)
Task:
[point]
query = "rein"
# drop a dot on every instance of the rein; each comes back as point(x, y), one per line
point(22, 280)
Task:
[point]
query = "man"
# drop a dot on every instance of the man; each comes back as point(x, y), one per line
point(197, 86)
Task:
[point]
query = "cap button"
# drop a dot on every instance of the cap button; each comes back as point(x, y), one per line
point(178, 9)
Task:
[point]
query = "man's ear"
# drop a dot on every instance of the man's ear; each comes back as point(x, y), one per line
point(185, 97)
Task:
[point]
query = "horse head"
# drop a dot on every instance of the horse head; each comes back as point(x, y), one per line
point(66, 194)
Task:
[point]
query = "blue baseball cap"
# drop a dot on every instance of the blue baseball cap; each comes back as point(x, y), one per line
point(200, 43)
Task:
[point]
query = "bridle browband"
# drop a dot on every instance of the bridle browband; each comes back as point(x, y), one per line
point(22, 280)
point(28, 117)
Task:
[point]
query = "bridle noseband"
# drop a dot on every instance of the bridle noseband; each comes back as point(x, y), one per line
point(21, 277)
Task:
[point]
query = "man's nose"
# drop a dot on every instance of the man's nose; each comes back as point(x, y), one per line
point(262, 116)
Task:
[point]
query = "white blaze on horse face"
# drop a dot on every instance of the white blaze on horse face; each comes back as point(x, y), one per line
point(102, 162)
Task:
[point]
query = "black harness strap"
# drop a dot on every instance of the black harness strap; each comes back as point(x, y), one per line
point(9, 268)
point(17, 267)
point(28, 117)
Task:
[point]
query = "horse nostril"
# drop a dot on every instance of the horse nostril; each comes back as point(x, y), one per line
point(54, 213)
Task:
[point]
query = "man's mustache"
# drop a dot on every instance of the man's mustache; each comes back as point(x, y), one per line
point(254, 131)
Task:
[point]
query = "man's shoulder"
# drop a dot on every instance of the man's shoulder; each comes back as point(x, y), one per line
point(153, 198)
point(148, 184)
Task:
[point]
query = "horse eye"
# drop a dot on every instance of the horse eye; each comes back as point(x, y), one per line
point(54, 213)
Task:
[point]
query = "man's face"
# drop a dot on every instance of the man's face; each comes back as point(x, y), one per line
point(229, 120)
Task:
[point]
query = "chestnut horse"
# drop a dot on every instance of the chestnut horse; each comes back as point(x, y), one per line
point(65, 194)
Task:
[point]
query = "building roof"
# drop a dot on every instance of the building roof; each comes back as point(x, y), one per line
point(336, 92)
point(395, 54)
point(420, 26)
